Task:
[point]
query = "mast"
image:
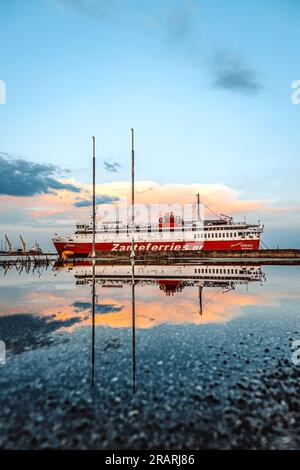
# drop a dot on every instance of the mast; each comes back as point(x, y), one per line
point(132, 193)
point(94, 196)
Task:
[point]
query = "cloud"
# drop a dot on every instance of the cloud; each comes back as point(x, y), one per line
point(99, 308)
point(103, 199)
point(180, 26)
point(230, 73)
point(225, 69)
point(111, 167)
point(98, 10)
point(21, 177)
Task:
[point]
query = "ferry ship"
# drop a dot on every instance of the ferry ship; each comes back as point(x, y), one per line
point(171, 233)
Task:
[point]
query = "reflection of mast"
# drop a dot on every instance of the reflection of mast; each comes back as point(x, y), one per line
point(93, 324)
point(132, 193)
point(94, 197)
point(133, 330)
point(200, 300)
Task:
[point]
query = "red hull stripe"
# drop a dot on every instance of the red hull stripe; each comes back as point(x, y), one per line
point(86, 248)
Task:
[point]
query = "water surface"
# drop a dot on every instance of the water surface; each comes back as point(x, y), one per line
point(202, 359)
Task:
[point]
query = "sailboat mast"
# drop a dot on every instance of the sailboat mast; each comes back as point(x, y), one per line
point(94, 196)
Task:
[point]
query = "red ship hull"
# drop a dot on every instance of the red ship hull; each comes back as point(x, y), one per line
point(86, 248)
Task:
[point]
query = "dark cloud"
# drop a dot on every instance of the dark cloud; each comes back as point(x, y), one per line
point(230, 73)
point(99, 200)
point(227, 71)
point(21, 177)
point(99, 308)
point(112, 167)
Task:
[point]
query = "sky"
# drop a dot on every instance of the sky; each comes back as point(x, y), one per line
point(207, 85)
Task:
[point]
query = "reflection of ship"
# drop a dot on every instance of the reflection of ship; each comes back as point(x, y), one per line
point(170, 278)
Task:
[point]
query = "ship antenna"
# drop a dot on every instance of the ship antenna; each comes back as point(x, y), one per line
point(198, 206)
point(132, 193)
point(94, 196)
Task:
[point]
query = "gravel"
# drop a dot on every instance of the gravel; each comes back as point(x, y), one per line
point(213, 386)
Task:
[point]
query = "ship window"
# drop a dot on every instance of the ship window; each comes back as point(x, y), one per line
point(235, 234)
point(208, 235)
point(195, 270)
point(212, 235)
point(213, 271)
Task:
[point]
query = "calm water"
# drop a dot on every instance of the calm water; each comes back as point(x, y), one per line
point(200, 358)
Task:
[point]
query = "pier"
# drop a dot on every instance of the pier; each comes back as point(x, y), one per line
point(267, 256)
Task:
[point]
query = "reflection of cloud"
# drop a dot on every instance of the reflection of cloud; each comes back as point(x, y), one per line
point(153, 307)
point(22, 331)
point(20, 177)
point(99, 308)
point(112, 167)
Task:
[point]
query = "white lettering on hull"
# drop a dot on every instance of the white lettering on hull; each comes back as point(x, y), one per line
point(156, 247)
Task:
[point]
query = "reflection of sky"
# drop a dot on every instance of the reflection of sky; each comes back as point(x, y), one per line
point(57, 297)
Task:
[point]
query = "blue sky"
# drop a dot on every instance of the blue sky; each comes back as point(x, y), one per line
point(206, 84)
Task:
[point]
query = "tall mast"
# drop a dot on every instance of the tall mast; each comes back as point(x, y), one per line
point(94, 196)
point(132, 193)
